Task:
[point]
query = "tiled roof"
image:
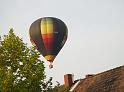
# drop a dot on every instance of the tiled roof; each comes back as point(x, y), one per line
point(108, 81)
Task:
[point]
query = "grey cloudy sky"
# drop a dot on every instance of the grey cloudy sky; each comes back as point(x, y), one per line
point(96, 32)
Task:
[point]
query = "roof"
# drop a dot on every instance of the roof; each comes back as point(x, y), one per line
point(108, 81)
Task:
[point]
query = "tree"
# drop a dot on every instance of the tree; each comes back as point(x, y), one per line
point(21, 70)
point(57, 88)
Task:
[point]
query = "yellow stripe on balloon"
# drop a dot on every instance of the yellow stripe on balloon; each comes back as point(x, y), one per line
point(49, 25)
point(43, 26)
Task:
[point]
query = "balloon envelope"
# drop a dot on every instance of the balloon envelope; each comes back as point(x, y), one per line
point(49, 35)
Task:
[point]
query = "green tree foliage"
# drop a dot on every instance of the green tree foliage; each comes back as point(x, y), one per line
point(57, 88)
point(61, 88)
point(21, 70)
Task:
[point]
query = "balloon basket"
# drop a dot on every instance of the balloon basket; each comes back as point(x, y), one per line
point(50, 66)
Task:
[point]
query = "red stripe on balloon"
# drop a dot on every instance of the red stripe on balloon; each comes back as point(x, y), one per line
point(50, 44)
point(48, 41)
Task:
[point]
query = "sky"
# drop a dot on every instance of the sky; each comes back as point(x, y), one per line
point(95, 32)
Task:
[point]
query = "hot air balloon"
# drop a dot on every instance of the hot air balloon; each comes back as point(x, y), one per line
point(48, 34)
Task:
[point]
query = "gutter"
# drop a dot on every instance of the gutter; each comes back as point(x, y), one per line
point(74, 86)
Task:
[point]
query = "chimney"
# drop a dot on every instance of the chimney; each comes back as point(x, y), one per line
point(68, 80)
